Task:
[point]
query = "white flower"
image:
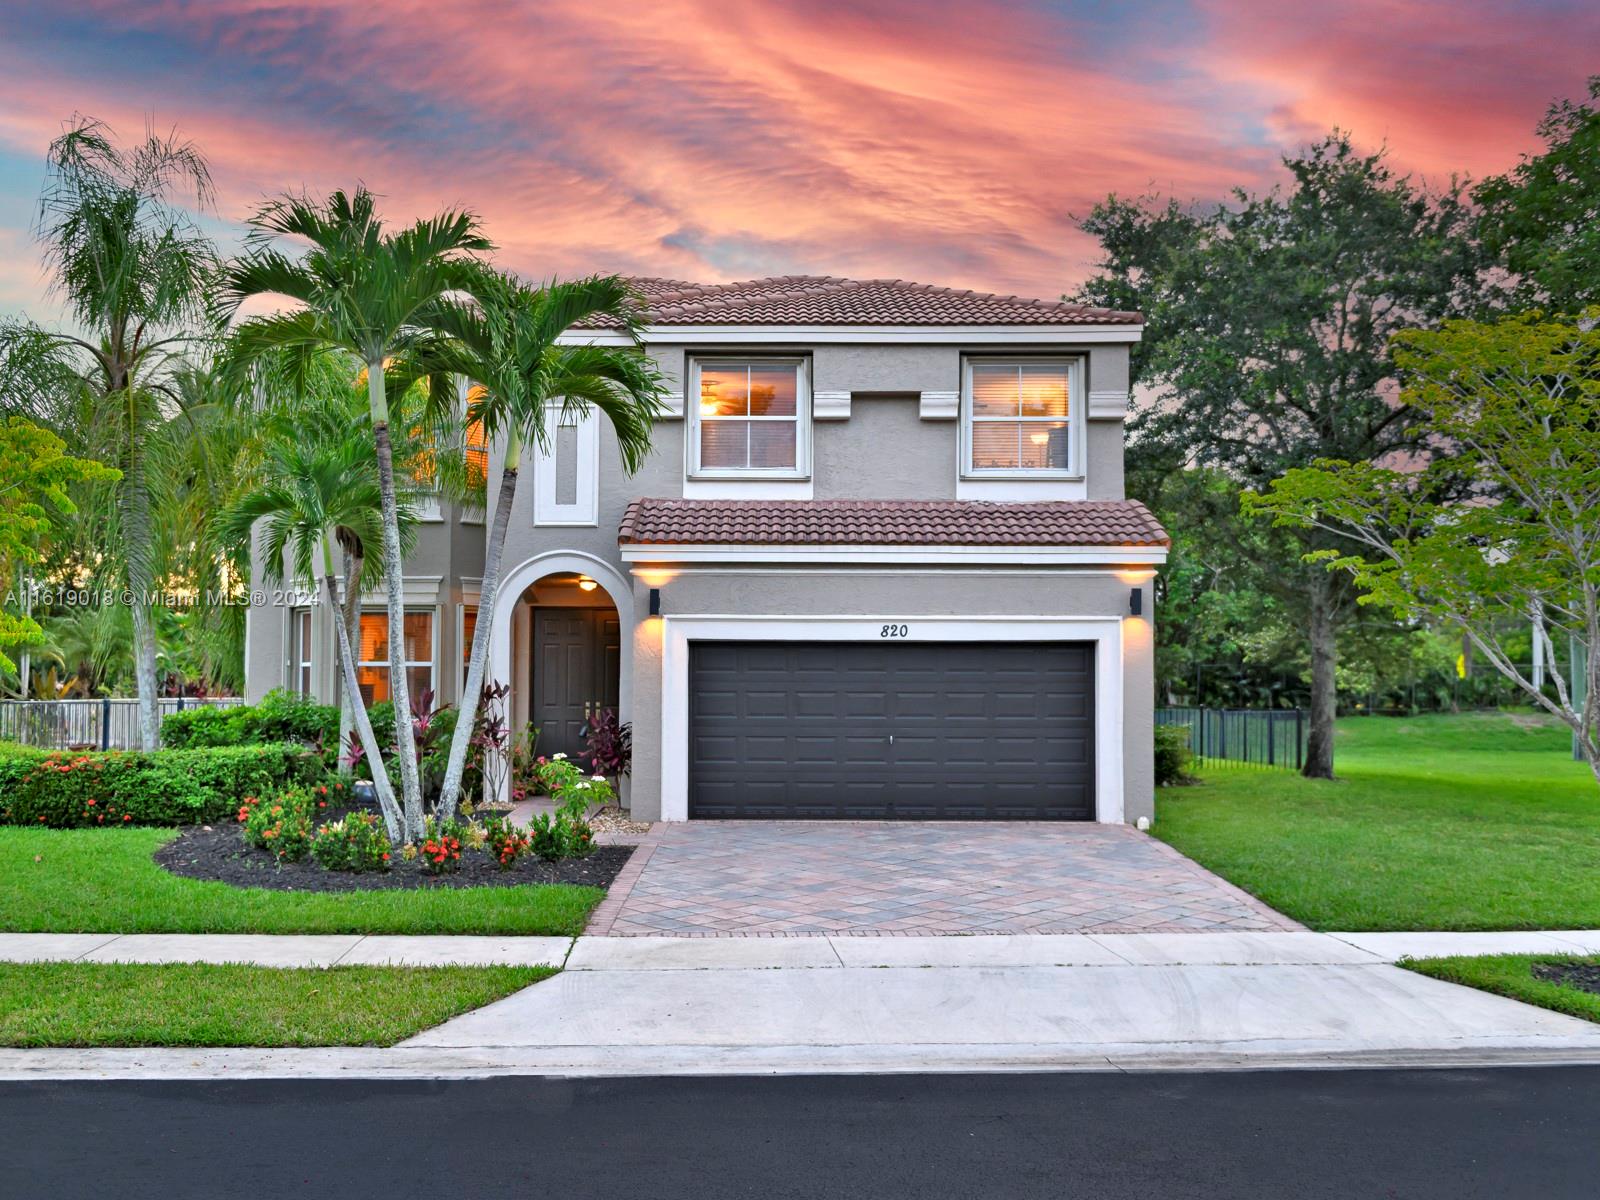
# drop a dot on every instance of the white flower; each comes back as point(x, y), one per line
point(558, 755)
point(598, 778)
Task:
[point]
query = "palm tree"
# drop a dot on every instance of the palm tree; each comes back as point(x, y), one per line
point(134, 271)
point(371, 292)
point(319, 487)
point(508, 344)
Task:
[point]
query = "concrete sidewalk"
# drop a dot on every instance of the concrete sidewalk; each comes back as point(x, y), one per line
point(853, 1005)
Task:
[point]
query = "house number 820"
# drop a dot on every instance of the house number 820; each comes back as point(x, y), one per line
point(895, 631)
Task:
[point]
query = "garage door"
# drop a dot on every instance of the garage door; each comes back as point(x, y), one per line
point(867, 731)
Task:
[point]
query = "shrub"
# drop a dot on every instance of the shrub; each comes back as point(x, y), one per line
point(610, 744)
point(563, 833)
point(440, 852)
point(160, 787)
point(1172, 755)
point(357, 843)
point(505, 842)
point(552, 775)
point(280, 717)
point(282, 825)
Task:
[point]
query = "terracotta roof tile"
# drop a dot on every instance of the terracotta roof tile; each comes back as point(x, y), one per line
point(890, 523)
point(827, 300)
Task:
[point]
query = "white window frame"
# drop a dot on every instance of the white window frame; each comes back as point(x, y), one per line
point(302, 651)
point(802, 418)
point(585, 507)
point(432, 661)
point(1076, 401)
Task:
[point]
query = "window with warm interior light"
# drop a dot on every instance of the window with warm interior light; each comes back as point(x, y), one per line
point(372, 669)
point(751, 418)
point(1019, 417)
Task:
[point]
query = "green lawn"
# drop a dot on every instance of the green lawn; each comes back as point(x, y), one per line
point(1512, 975)
point(1478, 821)
point(207, 1004)
point(103, 881)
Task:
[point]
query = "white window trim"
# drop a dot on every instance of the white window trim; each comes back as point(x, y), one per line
point(303, 652)
point(584, 511)
point(801, 470)
point(679, 633)
point(1075, 421)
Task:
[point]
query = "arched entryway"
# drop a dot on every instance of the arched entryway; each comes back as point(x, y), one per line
point(562, 638)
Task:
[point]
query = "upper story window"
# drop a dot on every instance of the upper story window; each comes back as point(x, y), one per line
point(752, 418)
point(1020, 418)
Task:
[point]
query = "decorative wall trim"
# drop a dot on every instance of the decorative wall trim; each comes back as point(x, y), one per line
point(679, 633)
point(830, 406)
point(671, 407)
point(940, 406)
point(1108, 406)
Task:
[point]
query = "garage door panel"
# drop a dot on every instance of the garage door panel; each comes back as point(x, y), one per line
point(980, 730)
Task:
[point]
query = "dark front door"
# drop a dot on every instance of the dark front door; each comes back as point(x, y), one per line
point(576, 668)
point(853, 730)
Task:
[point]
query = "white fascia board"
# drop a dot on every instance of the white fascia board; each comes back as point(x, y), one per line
point(967, 335)
point(981, 555)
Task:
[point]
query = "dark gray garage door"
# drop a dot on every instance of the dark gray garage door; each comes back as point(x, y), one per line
point(853, 730)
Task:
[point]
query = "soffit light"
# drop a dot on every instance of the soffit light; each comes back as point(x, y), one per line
point(586, 584)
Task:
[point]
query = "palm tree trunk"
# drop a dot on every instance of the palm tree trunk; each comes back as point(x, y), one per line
point(140, 551)
point(394, 587)
point(493, 560)
point(351, 616)
point(369, 741)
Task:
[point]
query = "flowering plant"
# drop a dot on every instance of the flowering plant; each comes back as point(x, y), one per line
point(357, 843)
point(505, 842)
point(440, 852)
point(281, 826)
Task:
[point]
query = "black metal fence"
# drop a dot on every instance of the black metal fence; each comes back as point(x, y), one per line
point(100, 724)
point(1265, 737)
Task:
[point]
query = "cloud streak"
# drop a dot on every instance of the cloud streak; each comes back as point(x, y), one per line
point(946, 142)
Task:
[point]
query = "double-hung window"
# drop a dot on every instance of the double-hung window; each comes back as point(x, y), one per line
point(751, 418)
point(1020, 418)
point(300, 651)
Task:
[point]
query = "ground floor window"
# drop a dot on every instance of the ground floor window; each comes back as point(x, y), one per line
point(372, 670)
point(300, 651)
point(469, 626)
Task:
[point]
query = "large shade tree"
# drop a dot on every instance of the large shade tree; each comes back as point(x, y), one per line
point(133, 270)
point(1501, 527)
point(1268, 323)
point(360, 287)
point(526, 380)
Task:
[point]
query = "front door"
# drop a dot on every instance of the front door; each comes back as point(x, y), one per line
point(577, 659)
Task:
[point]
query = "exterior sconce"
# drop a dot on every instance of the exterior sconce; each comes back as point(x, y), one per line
point(586, 584)
point(655, 602)
point(1136, 601)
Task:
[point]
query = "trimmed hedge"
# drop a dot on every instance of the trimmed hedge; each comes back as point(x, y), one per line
point(66, 790)
point(279, 717)
point(1173, 755)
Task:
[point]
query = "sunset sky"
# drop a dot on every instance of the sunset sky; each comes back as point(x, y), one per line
point(945, 142)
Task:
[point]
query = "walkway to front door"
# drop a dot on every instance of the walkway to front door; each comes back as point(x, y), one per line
point(780, 878)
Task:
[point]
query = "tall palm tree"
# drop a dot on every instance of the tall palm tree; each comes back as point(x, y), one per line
point(363, 289)
point(319, 487)
point(508, 344)
point(134, 271)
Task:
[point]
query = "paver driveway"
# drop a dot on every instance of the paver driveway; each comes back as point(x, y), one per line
point(778, 878)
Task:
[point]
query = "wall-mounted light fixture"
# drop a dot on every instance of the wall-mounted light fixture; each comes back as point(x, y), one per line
point(655, 602)
point(1136, 601)
point(586, 584)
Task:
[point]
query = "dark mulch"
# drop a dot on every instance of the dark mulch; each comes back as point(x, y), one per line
point(1583, 976)
point(221, 854)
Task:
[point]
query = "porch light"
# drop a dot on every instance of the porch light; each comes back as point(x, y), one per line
point(586, 584)
point(655, 602)
point(1136, 601)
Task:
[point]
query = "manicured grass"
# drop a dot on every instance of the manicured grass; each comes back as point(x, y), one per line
point(1478, 821)
point(206, 1004)
point(103, 881)
point(1512, 975)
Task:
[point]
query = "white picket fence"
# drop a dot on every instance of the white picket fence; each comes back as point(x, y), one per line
point(103, 724)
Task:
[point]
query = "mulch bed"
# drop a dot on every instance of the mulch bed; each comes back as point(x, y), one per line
point(221, 854)
point(1583, 976)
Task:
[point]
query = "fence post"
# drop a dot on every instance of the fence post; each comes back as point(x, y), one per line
point(105, 722)
point(1299, 743)
point(180, 701)
point(1272, 739)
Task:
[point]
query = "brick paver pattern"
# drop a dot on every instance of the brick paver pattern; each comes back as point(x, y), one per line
point(791, 878)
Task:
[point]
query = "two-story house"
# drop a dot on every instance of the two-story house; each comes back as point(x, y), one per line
point(879, 564)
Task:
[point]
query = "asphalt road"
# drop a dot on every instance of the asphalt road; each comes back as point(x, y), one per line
point(1286, 1135)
